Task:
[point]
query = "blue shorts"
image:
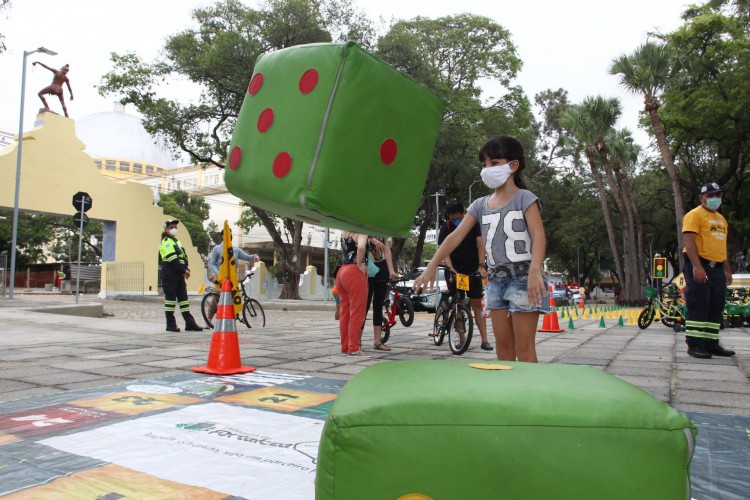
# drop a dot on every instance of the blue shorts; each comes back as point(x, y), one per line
point(511, 293)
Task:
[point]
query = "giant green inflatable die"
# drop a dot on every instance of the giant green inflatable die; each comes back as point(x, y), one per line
point(447, 431)
point(331, 135)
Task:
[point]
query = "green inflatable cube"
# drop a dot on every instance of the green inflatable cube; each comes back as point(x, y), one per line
point(331, 135)
point(444, 430)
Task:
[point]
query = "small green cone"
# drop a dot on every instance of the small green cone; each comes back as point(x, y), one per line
point(619, 322)
point(571, 326)
point(601, 323)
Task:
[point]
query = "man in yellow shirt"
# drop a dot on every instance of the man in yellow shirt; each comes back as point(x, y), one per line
point(707, 274)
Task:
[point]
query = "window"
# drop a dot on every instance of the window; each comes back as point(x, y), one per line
point(111, 165)
point(98, 164)
point(124, 166)
point(137, 168)
point(149, 169)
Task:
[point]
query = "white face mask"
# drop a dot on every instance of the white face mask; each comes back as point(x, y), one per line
point(494, 177)
point(173, 231)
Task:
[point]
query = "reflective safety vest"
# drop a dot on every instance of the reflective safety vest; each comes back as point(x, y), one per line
point(174, 259)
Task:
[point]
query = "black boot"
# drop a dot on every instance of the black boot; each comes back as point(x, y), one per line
point(171, 322)
point(713, 347)
point(697, 348)
point(190, 324)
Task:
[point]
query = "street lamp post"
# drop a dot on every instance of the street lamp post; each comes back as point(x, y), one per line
point(18, 169)
point(437, 195)
point(578, 263)
point(650, 238)
point(470, 190)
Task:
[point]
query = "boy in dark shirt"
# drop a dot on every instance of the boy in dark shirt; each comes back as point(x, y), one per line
point(467, 258)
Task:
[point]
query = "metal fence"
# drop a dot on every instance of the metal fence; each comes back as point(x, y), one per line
point(125, 278)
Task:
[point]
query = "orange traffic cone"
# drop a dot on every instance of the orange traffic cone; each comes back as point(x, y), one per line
point(551, 323)
point(224, 354)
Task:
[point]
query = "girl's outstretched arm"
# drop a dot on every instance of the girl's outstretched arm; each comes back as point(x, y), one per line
point(427, 278)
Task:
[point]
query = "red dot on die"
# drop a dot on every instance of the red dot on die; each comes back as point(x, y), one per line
point(388, 151)
point(255, 84)
point(235, 157)
point(265, 120)
point(282, 164)
point(308, 81)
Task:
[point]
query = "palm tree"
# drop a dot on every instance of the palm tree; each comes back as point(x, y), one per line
point(647, 71)
point(575, 120)
point(602, 115)
point(624, 157)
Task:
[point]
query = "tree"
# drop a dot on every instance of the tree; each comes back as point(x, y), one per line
point(218, 56)
point(582, 124)
point(452, 55)
point(647, 71)
point(4, 4)
point(192, 212)
point(705, 109)
point(44, 236)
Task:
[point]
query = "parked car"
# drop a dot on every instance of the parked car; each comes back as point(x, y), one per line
point(562, 294)
point(423, 301)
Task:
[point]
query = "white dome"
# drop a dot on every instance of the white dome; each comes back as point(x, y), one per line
point(119, 135)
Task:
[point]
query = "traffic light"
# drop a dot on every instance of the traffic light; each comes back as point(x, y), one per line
point(659, 270)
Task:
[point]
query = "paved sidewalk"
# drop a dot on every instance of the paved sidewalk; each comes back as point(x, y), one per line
point(44, 354)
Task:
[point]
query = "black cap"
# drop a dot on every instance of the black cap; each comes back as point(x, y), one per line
point(711, 188)
point(170, 222)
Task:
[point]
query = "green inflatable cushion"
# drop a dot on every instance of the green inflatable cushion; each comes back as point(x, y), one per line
point(331, 135)
point(444, 430)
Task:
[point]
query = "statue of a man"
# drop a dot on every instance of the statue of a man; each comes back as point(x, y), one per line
point(740, 260)
point(56, 87)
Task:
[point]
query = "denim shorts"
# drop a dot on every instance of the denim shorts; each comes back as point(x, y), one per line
point(511, 293)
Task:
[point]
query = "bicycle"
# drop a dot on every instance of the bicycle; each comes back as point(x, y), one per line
point(401, 305)
point(671, 307)
point(252, 314)
point(450, 314)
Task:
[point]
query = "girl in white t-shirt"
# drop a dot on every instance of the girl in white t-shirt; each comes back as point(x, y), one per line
point(513, 234)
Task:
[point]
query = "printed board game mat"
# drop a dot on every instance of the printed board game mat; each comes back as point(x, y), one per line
point(186, 436)
point(331, 135)
point(442, 428)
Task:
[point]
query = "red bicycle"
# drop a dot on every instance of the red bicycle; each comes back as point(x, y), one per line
point(395, 304)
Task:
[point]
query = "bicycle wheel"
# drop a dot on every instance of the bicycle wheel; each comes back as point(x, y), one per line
point(405, 311)
point(385, 332)
point(253, 315)
point(668, 320)
point(440, 323)
point(459, 340)
point(645, 318)
point(209, 304)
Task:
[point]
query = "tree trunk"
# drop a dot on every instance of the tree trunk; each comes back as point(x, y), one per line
point(628, 234)
point(636, 217)
point(397, 245)
point(419, 247)
point(652, 108)
point(289, 260)
point(605, 212)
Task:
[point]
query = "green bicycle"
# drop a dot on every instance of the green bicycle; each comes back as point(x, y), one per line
point(668, 302)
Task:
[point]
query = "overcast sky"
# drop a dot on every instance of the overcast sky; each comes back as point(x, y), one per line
point(562, 44)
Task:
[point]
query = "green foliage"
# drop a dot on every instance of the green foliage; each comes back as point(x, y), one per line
point(646, 71)
point(3, 5)
point(192, 212)
point(218, 55)
point(704, 108)
point(452, 55)
point(43, 237)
